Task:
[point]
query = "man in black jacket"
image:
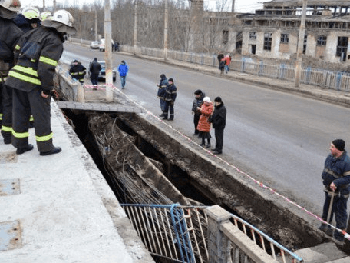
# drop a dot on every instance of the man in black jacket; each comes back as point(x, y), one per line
point(219, 122)
point(95, 69)
point(37, 53)
point(197, 103)
point(9, 35)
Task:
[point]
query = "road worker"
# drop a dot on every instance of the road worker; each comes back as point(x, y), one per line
point(336, 179)
point(37, 54)
point(9, 35)
point(77, 71)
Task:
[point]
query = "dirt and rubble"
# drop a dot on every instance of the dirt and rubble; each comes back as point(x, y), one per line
point(155, 165)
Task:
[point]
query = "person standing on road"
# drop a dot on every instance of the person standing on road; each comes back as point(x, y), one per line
point(163, 83)
point(95, 69)
point(9, 35)
point(37, 54)
point(204, 124)
point(170, 97)
point(336, 179)
point(219, 122)
point(197, 103)
point(123, 70)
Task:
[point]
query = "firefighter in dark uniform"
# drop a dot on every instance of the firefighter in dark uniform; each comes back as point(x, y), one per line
point(9, 35)
point(169, 98)
point(26, 21)
point(37, 54)
point(77, 71)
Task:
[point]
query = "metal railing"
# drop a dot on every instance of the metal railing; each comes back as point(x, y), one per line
point(270, 246)
point(171, 231)
point(180, 233)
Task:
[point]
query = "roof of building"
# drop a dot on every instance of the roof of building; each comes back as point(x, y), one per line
point(329, 3)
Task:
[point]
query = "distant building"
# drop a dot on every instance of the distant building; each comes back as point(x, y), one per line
point(274, 30)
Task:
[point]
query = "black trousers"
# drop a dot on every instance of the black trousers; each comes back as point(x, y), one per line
point(169, 107)
point(219, 137)
point(40, 107)
point(6, 112)
point(94, 79)
point(195, 122)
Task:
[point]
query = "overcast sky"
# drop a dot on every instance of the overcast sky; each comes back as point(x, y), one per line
point(241, 5)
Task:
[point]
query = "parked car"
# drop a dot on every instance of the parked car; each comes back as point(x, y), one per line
point(95, 45)
point(102, 75)
point(102, 44)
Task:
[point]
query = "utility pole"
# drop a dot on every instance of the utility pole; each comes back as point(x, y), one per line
point(166, 30)
point(108, 49)
point(54, 6)
point(233, 6)
point(135, 27)
point(44, 5)
point(95, 24)
point(299, 59)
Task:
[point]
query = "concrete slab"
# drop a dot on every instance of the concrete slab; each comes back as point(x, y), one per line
point(323, 253)
point(61, 208)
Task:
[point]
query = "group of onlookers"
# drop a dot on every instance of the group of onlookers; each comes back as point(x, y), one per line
point(207, 114)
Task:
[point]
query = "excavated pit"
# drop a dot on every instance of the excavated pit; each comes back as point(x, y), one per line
point(144, 163)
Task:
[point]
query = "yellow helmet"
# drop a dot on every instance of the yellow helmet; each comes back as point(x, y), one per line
point(31, 13)
point(45, 15)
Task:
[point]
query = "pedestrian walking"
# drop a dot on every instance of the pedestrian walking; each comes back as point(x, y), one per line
point(170, 97)
point(123, 70)
point(95, 69)
point(336, 179)
point(9, 35)
point(197, 103)
point(37, 54)
point(204, 123)
point(222, 64)
point(218, 119)
point(163, 83)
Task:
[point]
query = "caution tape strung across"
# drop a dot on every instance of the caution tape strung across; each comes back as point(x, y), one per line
point(262, 185)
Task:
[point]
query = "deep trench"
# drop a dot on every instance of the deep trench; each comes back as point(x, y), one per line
point(177, 176)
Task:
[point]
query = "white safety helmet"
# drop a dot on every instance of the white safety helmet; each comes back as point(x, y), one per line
point(64, 17)
point(11, 5)
point(45, 15)
point(62, 21)
point(31, 13)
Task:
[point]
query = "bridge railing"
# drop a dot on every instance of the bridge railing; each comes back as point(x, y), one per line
point(203, 234)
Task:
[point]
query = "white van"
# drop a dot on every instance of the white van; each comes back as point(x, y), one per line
point(102, 45)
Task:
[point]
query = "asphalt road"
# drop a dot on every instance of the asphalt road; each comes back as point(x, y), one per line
point(277, 138)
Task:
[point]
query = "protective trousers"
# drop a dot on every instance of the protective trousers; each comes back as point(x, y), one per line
point(6, 113)
point(40, 107)
point(169, 106)
point(338, 209)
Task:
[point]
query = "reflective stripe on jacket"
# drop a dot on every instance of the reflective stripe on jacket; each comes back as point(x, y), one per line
point(37, 53)
point(337, 170)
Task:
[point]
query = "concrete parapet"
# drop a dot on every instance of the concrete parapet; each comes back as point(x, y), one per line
point(72, 90)
point(226, 243)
